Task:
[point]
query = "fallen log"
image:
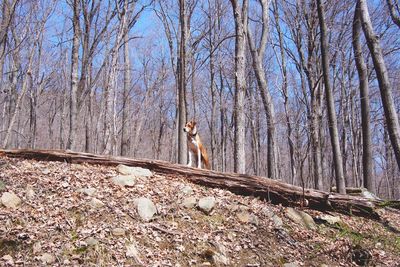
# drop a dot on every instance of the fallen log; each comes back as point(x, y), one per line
point(274, 191)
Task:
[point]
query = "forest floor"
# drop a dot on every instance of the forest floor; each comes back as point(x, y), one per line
point(75, 215)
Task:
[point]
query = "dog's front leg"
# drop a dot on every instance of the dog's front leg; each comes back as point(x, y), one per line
point(190, 159)
point(198, 158)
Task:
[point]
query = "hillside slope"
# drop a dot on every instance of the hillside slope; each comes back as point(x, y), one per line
point(76, 214)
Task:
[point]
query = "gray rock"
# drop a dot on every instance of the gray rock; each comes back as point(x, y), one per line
point(243, 216)
point(47, 258)
point(277, 221)
point(220, 256)
point(300, 217)
point(90, 191)
point(187, 190)
point(96, 203)
point(10, 200)
point(37, 247)
point(8, 259)
point(189, 202)
point(290, 264)
point(91, 241)
point(46, 171)
point(29, 192)
point(365, 193)
point(2, 186)
point(206, 204)
point(145, 208)
point(132, 252)
point(118, 232)
point(136, 171)
point(330, 219)
point(124, 180)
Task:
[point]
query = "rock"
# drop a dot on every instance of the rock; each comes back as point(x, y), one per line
point(8, 259)
point(330, 219)
point(189, 202)
point(2, 186)
point(47, 258)
point(118, 232)
point(243, 216)
point(65, 184)
point(277, 221)
point(300, 217)
point(254, 220)
point(365, 193)
point(221, 259)
point(136, 171)
point(132, 252)
point(90, 191)
point(187, 190)
point(29, 192)
point(206, 204)
point(220, 256)
point(37, 247)
point(91, 241)
point(290, 264)
point(46, 171)
point(96, 203)
point(124, 180)
point(145, 208)
point(10, 200)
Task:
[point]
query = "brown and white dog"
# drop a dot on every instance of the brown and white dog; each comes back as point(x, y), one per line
point(196, 148)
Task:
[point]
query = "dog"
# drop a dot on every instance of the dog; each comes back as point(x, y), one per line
point(196, 148)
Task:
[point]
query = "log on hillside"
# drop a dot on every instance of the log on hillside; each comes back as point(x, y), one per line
point(274, 191)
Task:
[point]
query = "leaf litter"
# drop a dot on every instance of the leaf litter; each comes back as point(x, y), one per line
point(73, 214)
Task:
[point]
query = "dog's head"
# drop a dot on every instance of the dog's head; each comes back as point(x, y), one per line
point(190, 128)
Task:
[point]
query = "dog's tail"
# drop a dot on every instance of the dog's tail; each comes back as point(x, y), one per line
point(206, 160)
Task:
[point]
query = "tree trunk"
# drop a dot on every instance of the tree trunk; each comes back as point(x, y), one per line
point(125, 138)
point(285, 93)
point(364, 99)
point(73, 115)
point(385, 87)
point(271, 190)
point(392, 10)
point(258, 55)
point(182, 143)
point(337, 157)
point(240, 15)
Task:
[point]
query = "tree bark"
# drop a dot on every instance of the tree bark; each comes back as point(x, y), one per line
point(240, 15)
point(337, 157)
point(182, 142)
point(271, 190)
point(392, 10)
point(125, 138)
point(364, 99)
point(385, 87)
point(73, 104)
point(258, 55)
point(285, 93)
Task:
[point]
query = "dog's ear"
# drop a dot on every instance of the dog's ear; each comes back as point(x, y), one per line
point(193, 122)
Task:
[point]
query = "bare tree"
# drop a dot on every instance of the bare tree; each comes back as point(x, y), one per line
point(182, 150)
point(385, 86)
point(73, 104)
point(258, 56)
point(364, 99)
point(337, 155)
point(240, 16)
